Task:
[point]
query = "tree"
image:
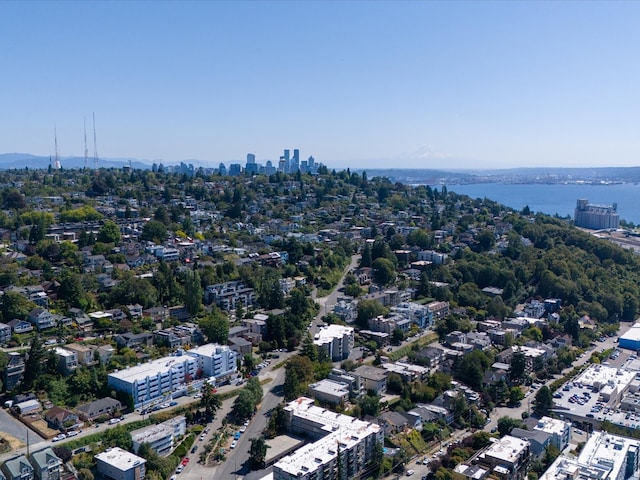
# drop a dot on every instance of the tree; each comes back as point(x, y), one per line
point(370, 405)
point(384, 271)
point(309, 349)
point(506, 424)
point(154, 231)
point(518, 366)
point(210, 401)
point(397, 336)
point(258, 452)
point(35, 364)
point(515, 395)
point(71, 290)
point(543, 401)
point(109, 233)
point(368, 309)
point(299, 373)
point(215, 326)
point(192, 292)
point(366, 260)
point(244, 405)
point(15, 305)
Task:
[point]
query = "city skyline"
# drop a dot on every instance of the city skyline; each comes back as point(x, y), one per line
point(355, 84)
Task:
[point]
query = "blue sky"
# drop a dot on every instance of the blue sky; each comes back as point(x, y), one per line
point(358, 84)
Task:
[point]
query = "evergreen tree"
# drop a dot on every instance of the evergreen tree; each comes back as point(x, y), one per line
point(366, 260)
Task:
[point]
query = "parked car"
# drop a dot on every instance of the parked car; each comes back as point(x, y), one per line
point(59, 437)
point(234, 444)
point(113, 421)
point(410, 472)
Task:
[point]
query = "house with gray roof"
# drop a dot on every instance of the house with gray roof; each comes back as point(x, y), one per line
point(18, 468)
point(97, 408)
point(46, 464)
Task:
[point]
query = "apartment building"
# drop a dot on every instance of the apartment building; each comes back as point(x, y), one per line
point(340, 443)
point(151, 381)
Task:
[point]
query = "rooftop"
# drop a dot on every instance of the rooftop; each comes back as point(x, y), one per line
point(120, 459)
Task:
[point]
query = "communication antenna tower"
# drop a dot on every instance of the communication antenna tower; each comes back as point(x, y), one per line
point(55, 140)
point(86, 151)
point(95, 143)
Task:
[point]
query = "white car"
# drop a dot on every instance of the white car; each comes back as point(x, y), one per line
point(59, 437)
point(234, 444)
point(72, 433)
point(113, 421)
point(410, 472)
point(180, 468)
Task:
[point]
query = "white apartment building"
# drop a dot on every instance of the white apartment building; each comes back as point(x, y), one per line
point(118, 464)
point(215, 360)
point(152, 381)
point(334, 434)
point(336, 340)
point(559, 430)
point(160, 437)
point(604, 456)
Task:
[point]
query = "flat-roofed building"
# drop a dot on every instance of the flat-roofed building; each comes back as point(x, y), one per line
point(151, 381)
point(330, 391)
point(507, 458)
point(336, 340)
point(160, 437)
point(215, 360)
point(559, 430)
point(604, 456)
point(118, 464)
point(371, 378)
point(337, 439)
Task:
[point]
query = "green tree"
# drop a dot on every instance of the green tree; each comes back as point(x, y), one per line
point(506, 424)
point(215, 326)
point(515, 395)
point(543, 401)
point(366, 260)
point(384, 271)
point(109, 233)
point(71, 290)
point(258, 452)
point(154, 231)
point(518, 366)
point(299, 373)
point(244, 405)
point(210, 401)
point(368, 309)
point(14, 305)
point(192, 292)
point(309, 349)
point(35, 364)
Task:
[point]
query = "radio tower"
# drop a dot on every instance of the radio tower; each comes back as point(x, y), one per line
point(86, 151)
point(55, 140)
point(95, 143)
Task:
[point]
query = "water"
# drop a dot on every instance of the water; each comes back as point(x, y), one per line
point(558, 199)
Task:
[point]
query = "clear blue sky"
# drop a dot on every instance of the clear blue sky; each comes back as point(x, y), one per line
point(359, 84)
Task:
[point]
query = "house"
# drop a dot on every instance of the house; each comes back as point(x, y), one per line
point(46, 464)
point(393, 422)
point(135, 310)
point(98, 408)
point(133, 340)
point(41, 318)
point(20, 326)
point(14, 371)
point(67, 360)
point(85, 354)
point(118, 464)
point(5, 333)
point(18, 468)
point(157, 314)
point(60, 418)
point(83, 321)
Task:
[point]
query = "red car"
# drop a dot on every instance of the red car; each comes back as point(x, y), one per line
point(185, 460)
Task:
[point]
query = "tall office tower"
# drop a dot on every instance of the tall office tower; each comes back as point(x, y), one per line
point(282, 165)
point(251, 158)
point(311, 163)
point(287, 160)
point(295, 161)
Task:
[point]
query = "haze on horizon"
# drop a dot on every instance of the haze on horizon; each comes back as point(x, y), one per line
point(355, 84)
